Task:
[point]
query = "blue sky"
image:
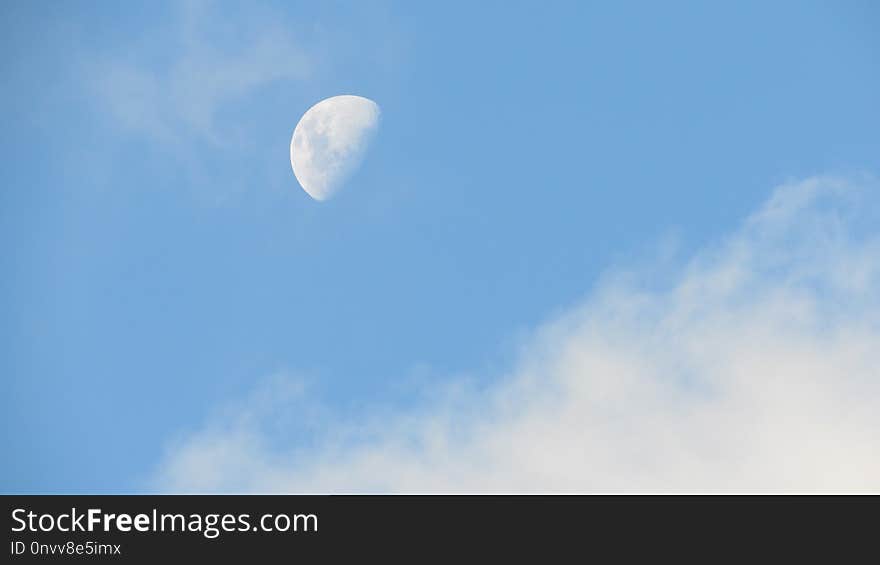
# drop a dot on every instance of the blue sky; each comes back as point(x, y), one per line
point(160, 263)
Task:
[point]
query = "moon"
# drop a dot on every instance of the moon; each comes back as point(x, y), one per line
point(329, 142)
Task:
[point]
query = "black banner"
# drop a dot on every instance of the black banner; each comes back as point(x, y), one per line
point(153, 529)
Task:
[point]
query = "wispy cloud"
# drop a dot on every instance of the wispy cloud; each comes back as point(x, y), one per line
point(755, 369)
point(180, 98)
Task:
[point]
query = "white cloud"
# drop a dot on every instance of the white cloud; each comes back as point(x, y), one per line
point(179, 98)
point(757, 369)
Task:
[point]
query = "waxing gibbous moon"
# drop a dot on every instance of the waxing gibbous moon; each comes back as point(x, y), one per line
point(329, 142)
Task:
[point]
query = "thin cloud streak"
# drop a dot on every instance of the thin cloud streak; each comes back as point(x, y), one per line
point(181, 99)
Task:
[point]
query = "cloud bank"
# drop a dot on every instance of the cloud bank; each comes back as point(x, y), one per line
point(754, 367)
